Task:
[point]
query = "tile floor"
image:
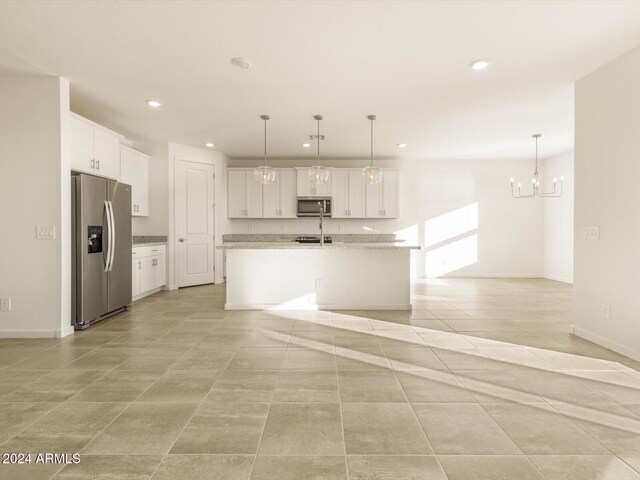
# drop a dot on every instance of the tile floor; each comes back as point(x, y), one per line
point(482, 380)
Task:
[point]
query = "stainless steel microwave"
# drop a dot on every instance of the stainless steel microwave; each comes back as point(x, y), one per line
point(310, 206)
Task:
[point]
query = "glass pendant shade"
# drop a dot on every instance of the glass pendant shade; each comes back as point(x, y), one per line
point(372, 175)
point(318, 174)
point(264, 174)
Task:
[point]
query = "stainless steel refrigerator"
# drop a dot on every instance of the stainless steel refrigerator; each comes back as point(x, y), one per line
point(101, 239)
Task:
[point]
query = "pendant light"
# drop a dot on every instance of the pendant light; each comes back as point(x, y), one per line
point(318, 174)
point(371, 174)
point(265, 174)
point(535, 182)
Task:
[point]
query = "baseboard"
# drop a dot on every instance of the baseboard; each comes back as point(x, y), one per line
point(146, 294)
point(266, 306)
point(65, 332)
point(605, 342)
point(34, 333)
point(558, 278)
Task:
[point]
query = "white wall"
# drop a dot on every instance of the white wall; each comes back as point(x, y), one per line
point(176, 152)
point(558, 220)
point(607, 168)
point(438, 205)
point(35, 190)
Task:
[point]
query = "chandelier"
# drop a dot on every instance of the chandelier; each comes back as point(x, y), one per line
point(535, 182)
point(264, 174)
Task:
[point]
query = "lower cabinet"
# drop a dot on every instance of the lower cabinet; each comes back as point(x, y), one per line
point(149, 270)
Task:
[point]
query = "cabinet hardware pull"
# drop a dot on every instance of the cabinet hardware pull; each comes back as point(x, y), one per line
point(93, 163)
point(98, 164)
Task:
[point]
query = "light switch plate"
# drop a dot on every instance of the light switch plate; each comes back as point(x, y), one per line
point(5, 304)
point(590, 233)
point(46, 232)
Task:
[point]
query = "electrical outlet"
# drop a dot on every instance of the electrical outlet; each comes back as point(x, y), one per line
point(248, 227)
point(46, 232)
point(339, 227)
point(318, 284)
point(590, 233)
point(5, 304)
point(604, 310)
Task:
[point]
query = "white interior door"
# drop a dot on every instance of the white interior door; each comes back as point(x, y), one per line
point(195, 223)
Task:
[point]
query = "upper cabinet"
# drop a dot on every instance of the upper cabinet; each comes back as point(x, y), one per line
point(279, 197)
point(348, 193)
point(134, 170)
point(94, 149)
point(244, 198)
point(382, 199)
point(351, 196)
point(307, 188)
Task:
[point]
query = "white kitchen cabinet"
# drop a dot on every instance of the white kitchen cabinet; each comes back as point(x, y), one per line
point(340, 190)
point(236, 193)
point(134, 170)
point(357, 194)
point(307, 188)
point(244, 194)
point(146, 274)
point(382, 199)
point(93, 149)
point(106, 151)
point(149, 270)
point(288, 193)
point(159, 271)
point(136, 267)
point(279, 198)
point(253, 195)
point(348, 193)
point(81, 145)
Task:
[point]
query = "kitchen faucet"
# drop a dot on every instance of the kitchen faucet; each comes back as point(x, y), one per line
point(321, 229)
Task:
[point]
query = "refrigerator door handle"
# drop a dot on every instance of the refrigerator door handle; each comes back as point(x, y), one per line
point(112, 244)
point(107, 212)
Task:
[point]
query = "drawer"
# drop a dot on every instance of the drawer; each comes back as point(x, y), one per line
point(150, 251)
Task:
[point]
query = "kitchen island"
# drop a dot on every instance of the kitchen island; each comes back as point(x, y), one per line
point(341, 276)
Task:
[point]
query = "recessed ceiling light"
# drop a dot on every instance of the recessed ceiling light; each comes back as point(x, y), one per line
point(153, 103)
point(402, 145)
point(209, 144)
point(306, 145)
point(241, 62)
point(480, 64)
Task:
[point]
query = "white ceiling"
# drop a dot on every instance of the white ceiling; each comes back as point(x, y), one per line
point(407, 62)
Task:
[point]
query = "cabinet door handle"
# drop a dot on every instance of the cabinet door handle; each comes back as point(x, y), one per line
point(139, 265)
point(93, 163)
point(98, 164)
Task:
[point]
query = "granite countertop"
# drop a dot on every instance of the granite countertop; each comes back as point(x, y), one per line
point(149, 240)
point(290, 237)
point(311, 246)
